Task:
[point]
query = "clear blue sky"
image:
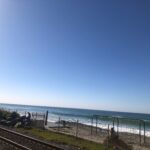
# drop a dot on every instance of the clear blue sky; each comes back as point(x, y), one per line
point(76, 53)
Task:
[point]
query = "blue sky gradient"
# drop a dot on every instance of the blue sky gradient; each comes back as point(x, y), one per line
point(81, 53)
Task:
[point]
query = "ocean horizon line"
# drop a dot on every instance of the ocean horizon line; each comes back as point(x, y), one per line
point(75, 108)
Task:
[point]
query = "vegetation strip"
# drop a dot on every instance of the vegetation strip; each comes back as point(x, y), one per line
point(64, 139)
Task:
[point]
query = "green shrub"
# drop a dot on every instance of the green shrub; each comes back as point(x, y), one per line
point(5, 114)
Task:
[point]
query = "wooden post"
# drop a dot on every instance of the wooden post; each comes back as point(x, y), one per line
point(108, 131)
point(144, 132)
point(113, 121)
point(108, 137)
point(77, 128)
point(58, 123)
point(91, 125)
point(46, 117)
point(118, 127)
point(140, 131)
point(96, 124)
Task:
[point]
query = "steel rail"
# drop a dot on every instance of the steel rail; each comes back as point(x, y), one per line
point(12, 143)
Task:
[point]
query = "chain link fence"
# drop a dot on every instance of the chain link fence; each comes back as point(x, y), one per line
point(97, 128)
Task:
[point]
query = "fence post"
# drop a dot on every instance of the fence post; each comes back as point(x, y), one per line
point(118, 127)
point(144, 131)
point(46, 117)
point(113, 121)
point(96, 124)
point(58, 123)
point(77, 128)
point(91, 125)
point(140, 131)
point(108, 137)
point(108, 131)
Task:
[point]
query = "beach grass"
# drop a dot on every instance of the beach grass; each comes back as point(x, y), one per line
point(63, 139)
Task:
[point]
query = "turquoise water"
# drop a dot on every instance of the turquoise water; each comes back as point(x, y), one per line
point(71, 112)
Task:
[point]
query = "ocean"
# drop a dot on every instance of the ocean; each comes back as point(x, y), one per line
point(128, 122)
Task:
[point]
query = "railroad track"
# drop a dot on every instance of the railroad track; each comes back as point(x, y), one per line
point(9, 144)
point(23, 142)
